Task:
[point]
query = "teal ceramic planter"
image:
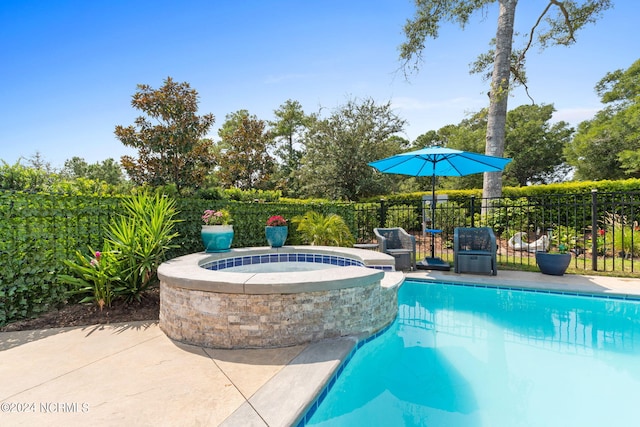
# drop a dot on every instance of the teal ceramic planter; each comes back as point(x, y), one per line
point(217, 238)
point(276, 236)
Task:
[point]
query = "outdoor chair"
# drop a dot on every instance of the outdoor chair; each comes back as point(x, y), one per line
point(399, 244)
point(475, 250)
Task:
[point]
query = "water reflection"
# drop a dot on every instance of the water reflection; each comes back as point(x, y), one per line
point(570, 324)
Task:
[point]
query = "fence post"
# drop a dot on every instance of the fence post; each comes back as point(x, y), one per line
point(383, 214)
point(473, 209)
point(594, 229)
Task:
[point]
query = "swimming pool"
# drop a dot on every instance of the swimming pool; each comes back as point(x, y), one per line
point(475, 356)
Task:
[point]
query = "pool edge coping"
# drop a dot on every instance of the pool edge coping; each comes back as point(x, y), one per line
point(187, 272)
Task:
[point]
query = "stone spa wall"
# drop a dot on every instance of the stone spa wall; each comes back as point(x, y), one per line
point(248, 310)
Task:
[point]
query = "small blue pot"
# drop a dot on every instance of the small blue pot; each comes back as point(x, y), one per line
point(276, 236)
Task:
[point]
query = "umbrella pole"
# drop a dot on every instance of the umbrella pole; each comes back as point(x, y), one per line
point(433, 215)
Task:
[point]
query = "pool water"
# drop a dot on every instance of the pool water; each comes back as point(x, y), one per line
point(473, 356)
point(279, 267)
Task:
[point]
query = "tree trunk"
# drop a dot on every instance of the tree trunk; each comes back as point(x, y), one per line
point(499, 95)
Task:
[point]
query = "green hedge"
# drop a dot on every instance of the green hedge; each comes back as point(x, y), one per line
point(570, 187)
point(249, 220)
point(39, 231)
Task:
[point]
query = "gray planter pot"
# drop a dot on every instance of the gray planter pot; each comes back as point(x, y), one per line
point(553, 264)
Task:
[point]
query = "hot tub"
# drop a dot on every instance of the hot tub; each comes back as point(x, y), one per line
point(206, 301)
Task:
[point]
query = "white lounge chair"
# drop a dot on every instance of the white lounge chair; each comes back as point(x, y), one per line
point(518, 244)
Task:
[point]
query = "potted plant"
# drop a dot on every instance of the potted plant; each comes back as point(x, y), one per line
point(276, 231)
point(554, 263)
point(217, 231)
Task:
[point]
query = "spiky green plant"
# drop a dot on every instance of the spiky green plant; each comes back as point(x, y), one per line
point(323, 230)
point(140, 239)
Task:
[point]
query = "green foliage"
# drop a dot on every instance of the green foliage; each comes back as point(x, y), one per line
point(606, 147)
point(86, 186)
point(18, 177)
point(595, 149)
point(108, 171)
point(251, 195)
point(622, 236)
point(405, 216)
point(450, 215)
point(468, 135)
point(339, 148)
point(243, 157)
point(94, 276)
point(210, 193)
point(630, 162)
point(37, 233)
point(561, 21)
point(507, 213)
point(326, 230)
point(288, 131)
point(566, 238)
point(571, 187)
point(367, 218)
point(531, 141)
point(136, 244)
point(140, 239)
point(170, 142)
point(219, 217)
point(534, 144)
point(249, 220)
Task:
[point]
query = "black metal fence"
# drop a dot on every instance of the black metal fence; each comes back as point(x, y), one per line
point(38, 232)
point(600, 229)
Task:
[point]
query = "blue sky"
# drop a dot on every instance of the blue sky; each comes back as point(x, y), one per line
point(69, 67)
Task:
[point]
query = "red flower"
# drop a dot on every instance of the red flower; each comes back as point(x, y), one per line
point(276, 221)
point(601, 232)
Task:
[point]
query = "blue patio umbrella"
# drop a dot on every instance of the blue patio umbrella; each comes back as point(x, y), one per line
point(439, 161)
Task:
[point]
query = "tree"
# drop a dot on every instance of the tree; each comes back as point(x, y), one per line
point(108, 170)
point(287, 131)
point(468, 135)
point(427, 139)
point(338, 149)
point(38, 162)
point(535, 145)
point(608, 146)
point(170, 142)
point(243, 158)
point(504, 63)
